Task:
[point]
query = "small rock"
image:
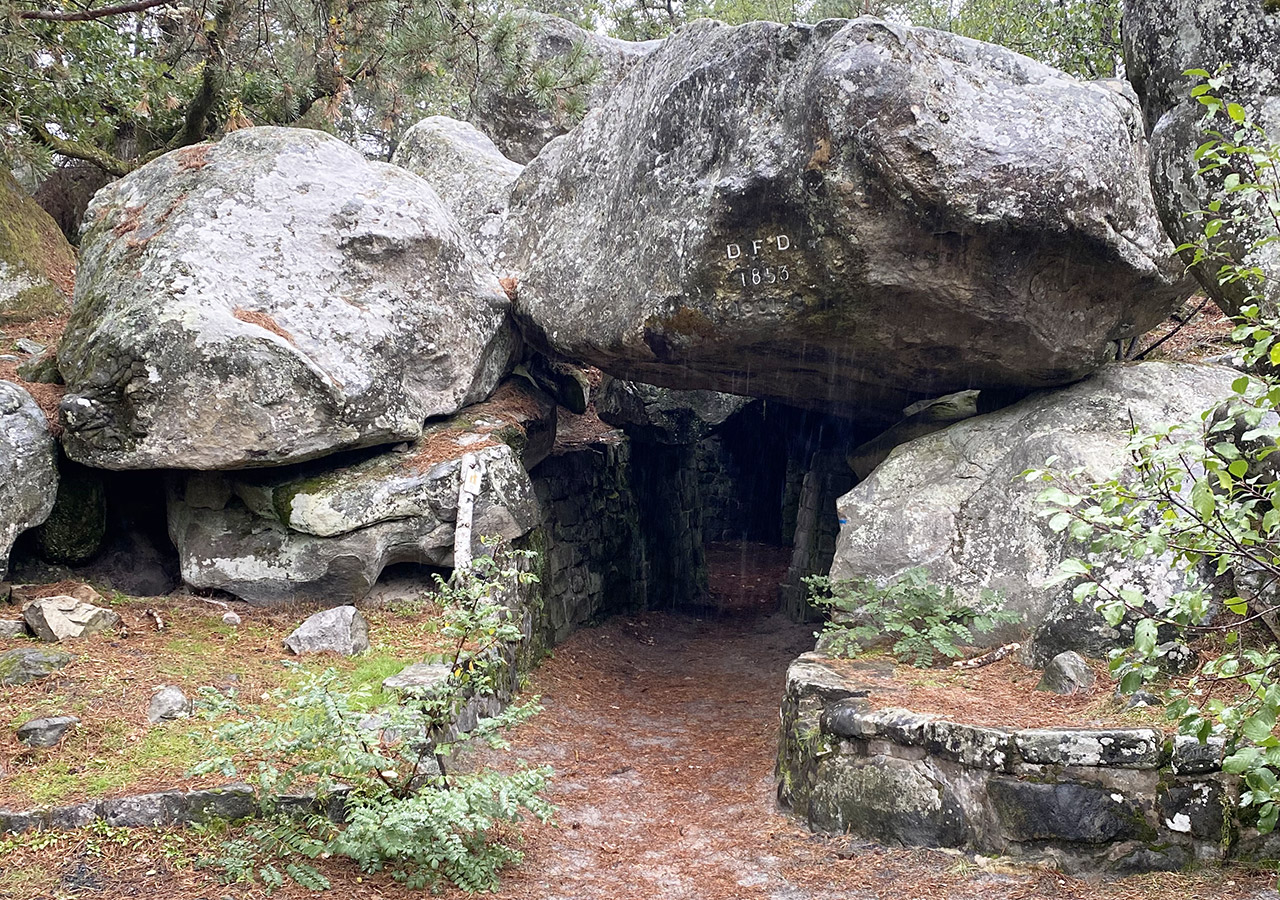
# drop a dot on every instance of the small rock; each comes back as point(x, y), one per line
point(28, 346)
point(1067, 673)
point(12, 628)
point(27, 664)
point(168, 703)
point(418, 679)
point(340, 630)
point(1139, 699)
point(61, 618)
point(230, 618)
point(45, 732)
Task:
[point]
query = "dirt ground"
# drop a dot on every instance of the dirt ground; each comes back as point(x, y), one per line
point(662, 729)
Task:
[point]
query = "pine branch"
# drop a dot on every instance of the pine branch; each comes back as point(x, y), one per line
point(90, 15)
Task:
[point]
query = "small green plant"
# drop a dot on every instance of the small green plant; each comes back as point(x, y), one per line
point(922, 619)
point(405, 808)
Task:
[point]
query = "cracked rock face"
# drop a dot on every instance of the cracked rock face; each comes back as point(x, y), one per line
point(269, 299)
point(1162, 40)
point(952, 501)
point(28, 467)
point(324, 531)
point(851, 215)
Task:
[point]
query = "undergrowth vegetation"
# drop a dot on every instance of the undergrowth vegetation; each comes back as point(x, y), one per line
point(387, 791)
point(917, 618)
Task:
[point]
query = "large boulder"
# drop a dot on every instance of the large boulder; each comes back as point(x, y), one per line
point(1162, 40)
point(37, 265)
point(853, 214)
point(584, 65)
point(63, 618)
point(468, 172)
point(28, 467)
point(324, 531)
point(952, 501)
point(268, 299)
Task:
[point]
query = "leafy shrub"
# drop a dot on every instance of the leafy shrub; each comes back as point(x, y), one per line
point(922, 619)
point(390, 770)
point(1204, 493)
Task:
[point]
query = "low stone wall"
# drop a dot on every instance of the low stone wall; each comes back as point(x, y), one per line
point(1089, 800)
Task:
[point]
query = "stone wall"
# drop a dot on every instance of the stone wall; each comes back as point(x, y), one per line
point(1088, 800)
point(592, 560)
point(816, 529)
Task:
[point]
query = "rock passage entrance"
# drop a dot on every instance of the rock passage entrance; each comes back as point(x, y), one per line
point(662, 730)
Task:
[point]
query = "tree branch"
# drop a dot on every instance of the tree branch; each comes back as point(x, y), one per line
point(110, 164)
point(89, 15)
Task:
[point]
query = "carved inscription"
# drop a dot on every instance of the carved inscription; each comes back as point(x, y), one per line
point(759, 264)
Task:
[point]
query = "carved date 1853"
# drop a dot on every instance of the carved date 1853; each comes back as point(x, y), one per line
point(760, 271)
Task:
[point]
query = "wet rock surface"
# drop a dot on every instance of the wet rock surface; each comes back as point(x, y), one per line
point(952, 501)
point(323, 532)
point(24, 665)
point(65, 618)
point(466, 170)
point(1067, 673)
point(853, 215)
point(45, 732)
point(272, 298)
point(1087, 800)
point(341, 630)
point(665, 416)
point(28, 467)
point(1162, 40)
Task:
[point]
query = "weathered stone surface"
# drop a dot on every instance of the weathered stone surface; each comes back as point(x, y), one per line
point(899, 801)
point(925, 214)
point(1031, 811)
point(13, 628)
point(1199, 808)
point(45, 732)
point(418, 679)
point(1190, 757)
point(65, 618)
point(468, 173)
point(1131, 748)
point(339, 630)
point(27, 664)
point(28, 467)
point(952, 501)
point(970, 745)
point(663, 416)
point(1163, 39)
point(168, 703)
point(324, 531)
point(272, 298)
point(517, 122)
point(74, 531)
point(1067, 673)
point(37, 264)
point(919, 419)
point(811, 674)
point(230, 803)
point(146, 810)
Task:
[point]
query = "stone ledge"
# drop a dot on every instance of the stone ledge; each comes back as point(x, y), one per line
point(1116, 800)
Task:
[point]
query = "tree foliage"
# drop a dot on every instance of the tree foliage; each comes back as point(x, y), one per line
point(1079, 37)
point(117, 84)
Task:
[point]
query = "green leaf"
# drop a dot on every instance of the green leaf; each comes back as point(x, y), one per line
point(1239, 468)
point(1259, 726)
point(1236, 112)
point(1144, 637)
point(1202, 499)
